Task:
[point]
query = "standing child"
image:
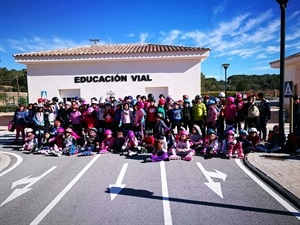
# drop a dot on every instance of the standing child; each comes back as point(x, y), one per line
point(186, 114)
point(160, 152)
point(30, 144)
point(176, 117)
point(151, 115)
point(211, 143)
point(107, 143)
point(212, 115)
point(139, 120)
point(160, 127)
point(230, 112)
point(170, 140)
point(182, 150)
point(126, 118)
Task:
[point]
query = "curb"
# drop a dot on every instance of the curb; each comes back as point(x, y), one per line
point(276, 186)
point(4, 161)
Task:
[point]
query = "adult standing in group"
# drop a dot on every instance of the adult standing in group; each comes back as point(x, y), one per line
point(296, 115)
point(251, 113)
point(20, 120)
point(264, 115)
point(199, 113)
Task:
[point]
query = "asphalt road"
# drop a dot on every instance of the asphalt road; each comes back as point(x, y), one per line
point(77, 190)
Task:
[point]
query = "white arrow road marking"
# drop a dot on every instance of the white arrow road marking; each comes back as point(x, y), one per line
point(116, 188)
point(19, 160)
point(214, 186)
point(20, 191)
point(165, 194)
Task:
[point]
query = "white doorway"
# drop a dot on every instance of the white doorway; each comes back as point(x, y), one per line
point(68, 94)
point(156, 91)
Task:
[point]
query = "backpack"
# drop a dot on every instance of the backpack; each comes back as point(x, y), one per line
point(253, 111)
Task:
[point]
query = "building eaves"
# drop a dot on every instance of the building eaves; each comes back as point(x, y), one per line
point(287, 58)
point(113, 49)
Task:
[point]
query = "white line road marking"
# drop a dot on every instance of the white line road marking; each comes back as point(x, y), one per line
point(29, 181)
point(214, 186)
point(269, 190)
point(118, 186)
point(44, 213)
point(19, 160)
point(165, 194)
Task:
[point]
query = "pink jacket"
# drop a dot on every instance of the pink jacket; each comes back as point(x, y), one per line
point(212, 115)
point(230, 112)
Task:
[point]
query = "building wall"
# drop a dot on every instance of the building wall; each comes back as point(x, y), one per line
point(292, 73)
point(174, 77)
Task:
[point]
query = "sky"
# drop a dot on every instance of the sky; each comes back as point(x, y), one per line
point(243, 33)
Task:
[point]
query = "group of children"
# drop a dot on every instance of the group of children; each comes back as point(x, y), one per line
point(163, 143)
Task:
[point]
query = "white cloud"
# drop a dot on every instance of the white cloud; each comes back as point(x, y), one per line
point(220, 8)
point(39, 44)
point(171, 37)
point(143, 37)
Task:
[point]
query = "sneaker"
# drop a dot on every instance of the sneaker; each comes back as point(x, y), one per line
point(148, 160)
point(132, 153)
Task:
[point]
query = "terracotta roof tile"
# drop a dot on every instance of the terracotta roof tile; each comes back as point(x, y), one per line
point(114, 49)
point(288, 57)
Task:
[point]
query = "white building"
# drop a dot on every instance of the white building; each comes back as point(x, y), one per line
point(122, 70)
point(292, 73)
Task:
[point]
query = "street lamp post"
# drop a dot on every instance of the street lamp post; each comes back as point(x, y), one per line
point(225, 66)
point(283, 4)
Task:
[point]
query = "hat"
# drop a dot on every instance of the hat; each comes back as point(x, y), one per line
point(93, 129)
point(94, 101)
point(198, 97)
point(252, 129)
point(68, 103)
point(28, 130)
point(68, 130)
point(211, 131)
point(160, 115)
point(243, 132)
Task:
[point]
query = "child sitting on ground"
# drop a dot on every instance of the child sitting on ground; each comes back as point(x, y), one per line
point(211, 143)
point(196, 139)
point(160, 152)
point(30, 144)
point(182, 149)
point(119, 141)
point(70, 147)
point(148, 141)
point(46, 144)
point(228, 143)
point(247, 145)
point(91, 142)
point(273, 142)
point(253, 137)
point(131, 146)
point(107, 143)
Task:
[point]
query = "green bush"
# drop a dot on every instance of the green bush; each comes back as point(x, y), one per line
point(7, 108)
